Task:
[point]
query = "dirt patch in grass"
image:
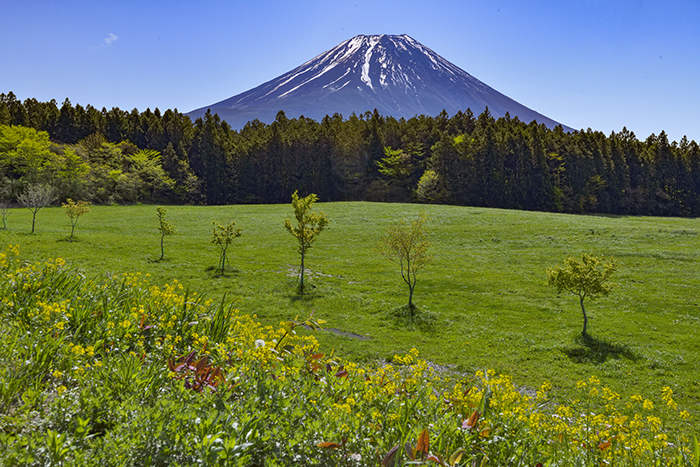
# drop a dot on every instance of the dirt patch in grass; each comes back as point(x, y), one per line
point(351, 335)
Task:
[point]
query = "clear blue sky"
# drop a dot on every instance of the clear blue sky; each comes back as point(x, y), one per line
point(588, 64)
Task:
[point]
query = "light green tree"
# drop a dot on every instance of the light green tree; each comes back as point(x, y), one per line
point(223, 236)
point(586, 278)
point(25, 153)
point(146, 165)
point(165, 228)
point(407, 245)
point(74, 210)
point(429, 189)
point(396, 164)
point(35, 197)
point(309, 224)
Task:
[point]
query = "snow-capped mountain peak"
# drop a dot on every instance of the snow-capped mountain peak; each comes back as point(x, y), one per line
point(396, 75)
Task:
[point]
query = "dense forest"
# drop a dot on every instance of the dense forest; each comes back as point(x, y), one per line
point(115, 156)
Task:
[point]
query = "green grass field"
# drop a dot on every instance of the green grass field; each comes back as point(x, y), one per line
point(484, 297)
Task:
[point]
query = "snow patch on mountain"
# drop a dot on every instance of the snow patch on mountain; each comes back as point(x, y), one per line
point(338, 79)
point(365, 65)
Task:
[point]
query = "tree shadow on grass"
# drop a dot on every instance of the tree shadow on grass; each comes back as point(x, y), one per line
point(412, 317)
point(307, 295)
point(590, 349)
point(214, 272)
point(158, 260)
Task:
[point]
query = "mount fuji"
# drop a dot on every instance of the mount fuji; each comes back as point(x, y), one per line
point(396, 75)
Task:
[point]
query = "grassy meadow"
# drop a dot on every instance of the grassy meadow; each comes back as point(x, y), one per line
point(483, 301)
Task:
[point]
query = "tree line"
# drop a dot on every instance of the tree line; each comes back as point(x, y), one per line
point(106, 156)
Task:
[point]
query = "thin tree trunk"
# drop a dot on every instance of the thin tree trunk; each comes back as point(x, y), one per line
point(301, 277)
point(585, 318)
point(407, 280)
point(162, 251)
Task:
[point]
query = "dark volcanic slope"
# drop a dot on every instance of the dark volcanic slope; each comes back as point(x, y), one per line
point(394, 74)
